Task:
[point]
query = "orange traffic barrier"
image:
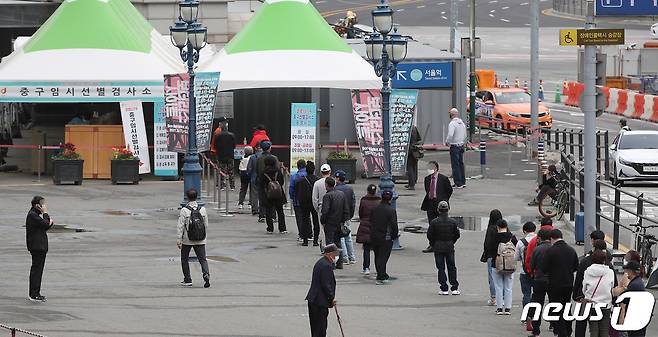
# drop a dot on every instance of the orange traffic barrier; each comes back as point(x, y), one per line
point(517, 84)
point(638, 106)
point(622, 102)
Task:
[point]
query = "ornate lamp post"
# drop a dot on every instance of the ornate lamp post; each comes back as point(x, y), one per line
point(190, 36)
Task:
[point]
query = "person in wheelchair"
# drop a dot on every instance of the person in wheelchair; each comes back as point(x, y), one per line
point(549, 184)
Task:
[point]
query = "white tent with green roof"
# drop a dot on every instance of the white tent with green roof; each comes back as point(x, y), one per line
point(288, 44)
point(93, 43)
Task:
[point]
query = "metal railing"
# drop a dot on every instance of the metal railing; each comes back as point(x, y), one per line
point(14, 331)
point(571, 142)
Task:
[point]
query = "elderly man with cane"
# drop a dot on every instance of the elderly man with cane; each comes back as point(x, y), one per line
point(322, 294)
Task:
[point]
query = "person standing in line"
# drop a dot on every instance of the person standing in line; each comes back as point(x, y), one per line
point(504, 266)
point(539, 279)
point(335, 212)
point(301, 173)
point(225, 147)
point(415, 153)
point(254, 194)
point(319, 190)
point(346, 242)
point(437, 189)
point(598, 282)
point(244, 176)
point(259, 135)
point(456, 139)
point(487, 257)
point(37, 223)
point(322, 294)
point(304, 195)
point(191, 234)
point(524, 275)
point(631, 281)
point(217, 131)
point(383, 230)
point(260, 169)
point(271, 185)
point(560, 263)
point(444, 233)
point(366, 205)
point(545, 223)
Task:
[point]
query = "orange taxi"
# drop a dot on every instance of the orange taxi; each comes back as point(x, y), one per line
point(508, 108)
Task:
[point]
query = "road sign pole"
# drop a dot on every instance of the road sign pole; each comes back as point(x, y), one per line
point(589, 111)
point(473, 80)
point(534, 72)
point(453, 24)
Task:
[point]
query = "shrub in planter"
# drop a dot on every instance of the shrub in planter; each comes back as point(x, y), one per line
point(67, 165)
point(125, 166)
point(343, 160)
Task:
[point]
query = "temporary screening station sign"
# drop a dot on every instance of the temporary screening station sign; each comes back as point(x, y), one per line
point(303, 120)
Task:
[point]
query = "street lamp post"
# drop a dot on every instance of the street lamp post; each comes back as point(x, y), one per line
point(190, 37)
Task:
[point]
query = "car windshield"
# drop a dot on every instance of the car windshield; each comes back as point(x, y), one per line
point(639, 141)
point(512, 97)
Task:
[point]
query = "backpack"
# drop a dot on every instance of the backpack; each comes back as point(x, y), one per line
point(273, 190)
point(505, 262)
point(523, 254)
point(196, 227)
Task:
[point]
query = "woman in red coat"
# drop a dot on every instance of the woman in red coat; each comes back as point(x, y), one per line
point(366, 205)
point(260, 134)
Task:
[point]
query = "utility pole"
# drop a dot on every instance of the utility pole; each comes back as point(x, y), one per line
point(453, 24)
point(471, 117)
point(589, 111)
point(534, 72)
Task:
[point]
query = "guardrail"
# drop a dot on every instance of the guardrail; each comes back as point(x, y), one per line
point(14, 331)
point(571, 142)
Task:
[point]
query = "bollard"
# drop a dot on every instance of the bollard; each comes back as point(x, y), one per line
point(558, 95)
point(39, 163)
point(541, 90)
point(219, 194)
point(226, 213)
point(509, 159)
point(214, 189)
point(483, 157)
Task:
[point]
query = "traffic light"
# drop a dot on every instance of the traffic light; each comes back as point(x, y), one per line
point(600, 83)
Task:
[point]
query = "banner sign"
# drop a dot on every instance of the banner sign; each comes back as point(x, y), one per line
point(165, 162)
point(303, 121)
point(626, 7)
point(423, 75)
point(43, 92)
point(366, 106)
point(205, 91)
point(176, 97)
point(134, 133)
point(403, 112)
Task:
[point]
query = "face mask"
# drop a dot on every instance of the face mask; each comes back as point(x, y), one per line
point(430, 171)
point(335, 259)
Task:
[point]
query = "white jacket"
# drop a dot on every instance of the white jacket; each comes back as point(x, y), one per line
point(456, 132)
point(319, 190)
point(184, 218)
point(591, 278)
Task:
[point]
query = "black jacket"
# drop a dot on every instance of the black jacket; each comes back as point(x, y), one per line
point(273, 174)
point(496, 238)
point(559, 264)
point(586, 262)
point(367, 204)
point(443, 233)
point(323, 284)
point(224, 145)
point(304, 190)
point(349, 196)
point(383, 223)
point(35, 230)
point(443, 192)
point(536, 259)
point(335, 210)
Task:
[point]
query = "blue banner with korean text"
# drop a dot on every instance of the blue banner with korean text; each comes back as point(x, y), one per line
point(303, 121)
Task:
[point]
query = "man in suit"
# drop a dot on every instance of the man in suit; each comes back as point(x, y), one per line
point(437, 189)
point(37, 223)
point(322, 294)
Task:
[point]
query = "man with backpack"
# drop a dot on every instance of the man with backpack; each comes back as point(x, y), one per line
point(191, 234)
point(271, 185)
point(266, 146)
point(524, 275)
point(443, 233)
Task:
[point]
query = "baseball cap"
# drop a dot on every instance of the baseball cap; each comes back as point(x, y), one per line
point(265, 145)
point(331, 248)
point(325, 168)
point(340, 174)
point(387, 195)
point(633, 266)
point(443, 206)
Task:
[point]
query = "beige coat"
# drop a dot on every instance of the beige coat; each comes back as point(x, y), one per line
point(184, 218)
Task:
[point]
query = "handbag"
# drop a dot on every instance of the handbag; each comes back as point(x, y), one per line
point(345, 229)
point(484, 258)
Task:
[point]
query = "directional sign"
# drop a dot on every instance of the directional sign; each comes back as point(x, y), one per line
point(568, 37)
point(591, 37)
point(626, 7)
point(423, 75)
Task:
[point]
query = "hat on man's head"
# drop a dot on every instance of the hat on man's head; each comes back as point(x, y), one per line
point(325, 168)
point(387, 195)
point(331, 248)
point(443, 206)
point(633, 266)
point(265, 145)
point(340, 174)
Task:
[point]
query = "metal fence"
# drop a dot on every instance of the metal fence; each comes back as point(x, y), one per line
point(14, 332)
point(571, 142)
point(573, 7)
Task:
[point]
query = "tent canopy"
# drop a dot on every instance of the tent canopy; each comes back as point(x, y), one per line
point(288, 44)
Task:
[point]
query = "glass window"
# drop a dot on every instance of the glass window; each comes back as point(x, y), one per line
point(638, 141)
point(512, 97)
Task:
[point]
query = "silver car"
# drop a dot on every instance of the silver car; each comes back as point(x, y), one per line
point(634, 157)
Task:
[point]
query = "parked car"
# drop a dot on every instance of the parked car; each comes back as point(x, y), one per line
point(634, 157)
point(509, 108)
point(654, 31)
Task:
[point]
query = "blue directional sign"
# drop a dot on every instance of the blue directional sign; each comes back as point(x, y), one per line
point(626, 7)
point(423, 75)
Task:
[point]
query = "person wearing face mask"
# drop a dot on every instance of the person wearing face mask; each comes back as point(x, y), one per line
point(437, 189)
point(38, 222)
point(322, 294)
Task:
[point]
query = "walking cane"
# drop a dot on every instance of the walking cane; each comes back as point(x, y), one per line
point(340, 323)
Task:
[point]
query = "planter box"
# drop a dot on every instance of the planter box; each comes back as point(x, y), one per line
point(347, 165)
point(125, 171)
point(67, 171)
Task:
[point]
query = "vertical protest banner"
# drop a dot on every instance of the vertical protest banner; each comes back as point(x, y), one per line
point(303, 117)
point(134, 133)
point(205, 92)
point(403, 112)
point(366, 106)
point(176, 97)
point(165, 162)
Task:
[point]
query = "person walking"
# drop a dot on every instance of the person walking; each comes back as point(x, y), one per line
point(383, 230)
point(444, 233)
point(266, 146)
point(322, 294)
point(366, 205)
point(346, 241)
point(37, 223)
point(415, 153)
point(271, 186)
point(254, 190)
point(487, 256)
point(539, 279)
point(319, 190)
point(524, 274)
point(335, 212)
point(191, 234)
point(301, 173)
point(259, 135)
point(623, 125)
point(560, 263)
point(456, 139)
point(437, 189)
point(598, 282)
point(504, 266)
point(225, 147)
point(304, 195)
point(244, 176)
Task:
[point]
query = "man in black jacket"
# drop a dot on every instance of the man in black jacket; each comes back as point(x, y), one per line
point(443, 233)
point(225, 146)
point(383, 230)
point(37, 223)
point(335, 212)
point(322, 294)
point(539, 279)
point(559, 264)
point(437, 188)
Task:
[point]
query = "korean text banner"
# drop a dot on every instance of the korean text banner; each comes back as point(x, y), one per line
point(134, 133)
point(303, 119)
point(176, 97)
point(366, 106)
point(165, 162)
point(403, 112)
point(40, 92)
point(205, 91)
